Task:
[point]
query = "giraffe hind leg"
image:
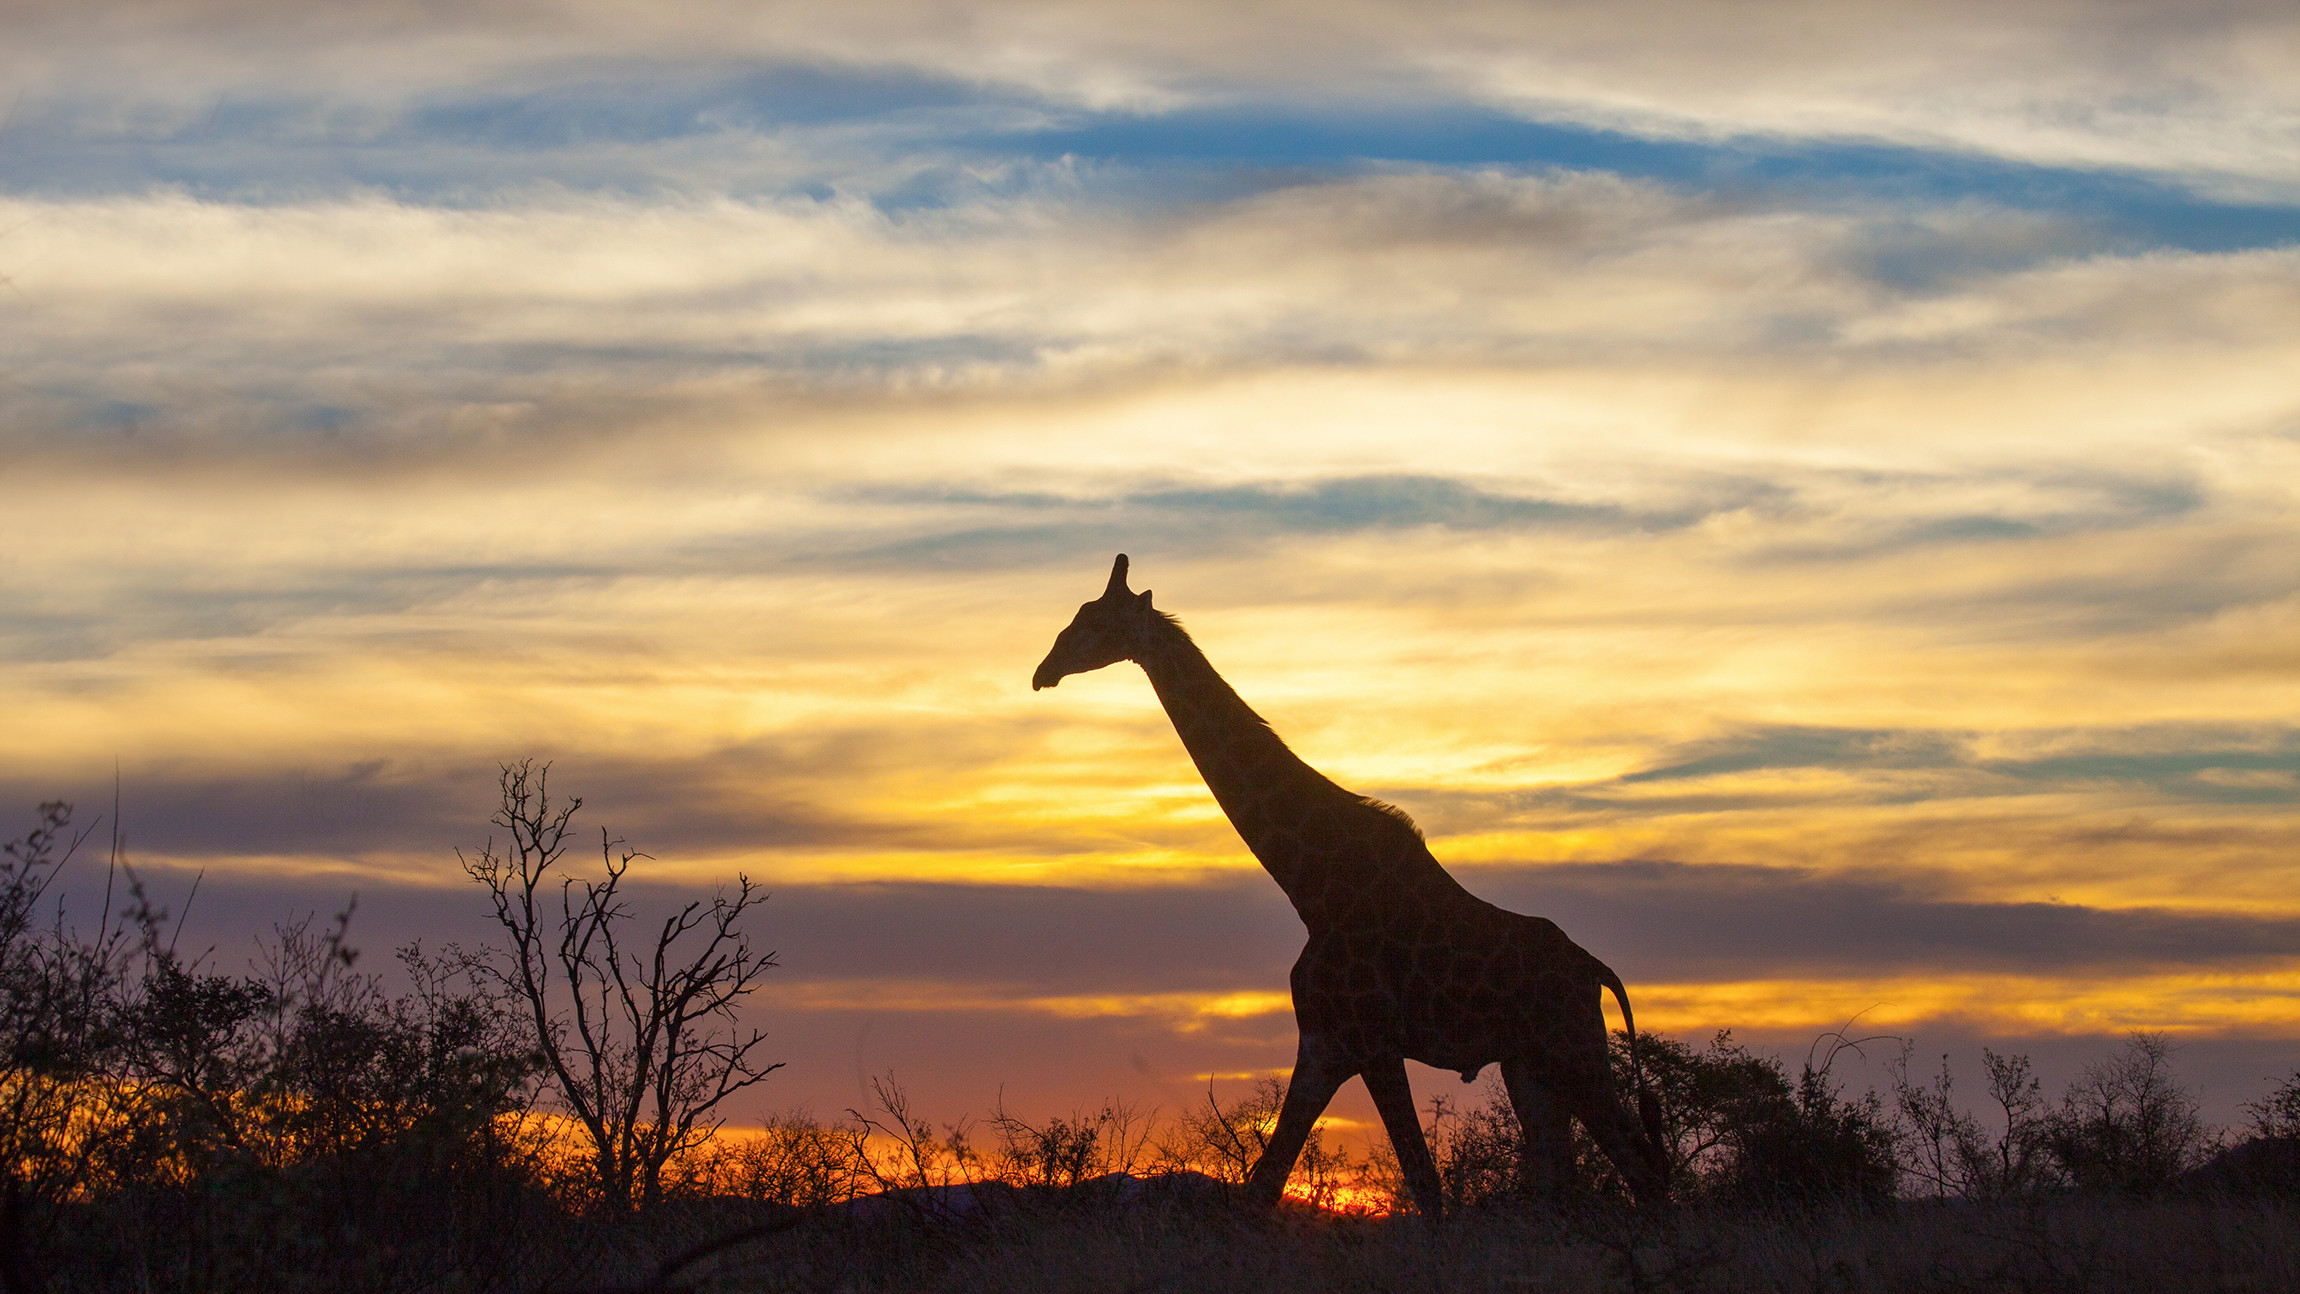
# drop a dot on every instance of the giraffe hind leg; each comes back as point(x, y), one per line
point(1623, 1142)
point(1394, 1097)
point(1545, 1127)
point(1320, 1069)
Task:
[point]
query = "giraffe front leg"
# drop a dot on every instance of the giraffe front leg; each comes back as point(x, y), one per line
point(1320, 1069)
point(1394, 1097)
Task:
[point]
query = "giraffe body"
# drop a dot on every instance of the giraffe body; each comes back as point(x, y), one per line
point(1402, 963)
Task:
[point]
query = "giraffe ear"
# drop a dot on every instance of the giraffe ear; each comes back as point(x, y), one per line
point(1117, 578)
point(1142, 601)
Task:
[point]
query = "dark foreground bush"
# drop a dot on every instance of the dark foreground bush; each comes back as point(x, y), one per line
point(1738, 1127)
point(352, 1227)
point(2070, 1245)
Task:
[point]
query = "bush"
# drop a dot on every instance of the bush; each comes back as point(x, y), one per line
point(1808, 1145)
point(2276, 1116)
point(167, 1125)
point(1950, 1152)
point(1476, 1147)
point(795, 1161)
point(1063, 1152)
point(58, 1094)
point(2127, 1124)
point(1736, 1127)
point(641, 1041)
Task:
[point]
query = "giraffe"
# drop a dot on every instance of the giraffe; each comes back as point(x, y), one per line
point(1402, 962)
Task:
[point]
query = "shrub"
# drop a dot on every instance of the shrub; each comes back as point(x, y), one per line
point(1477, 1147)
point(2276, 1116)
point(1945, 1144)
point(1063, 1152)
point(59, 1100)
point(1809, 1145)
point(1736, 1127)
point(795, 1160)
point(2127, 1124)
point(1225, 1141)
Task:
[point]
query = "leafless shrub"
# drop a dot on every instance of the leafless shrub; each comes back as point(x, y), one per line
point(1945, 1143)
point(899, 1150)
point(1328, 1178)
point(2019, 1161)
point(1951, 1152)
point(2277, 1115)
point(1477, 1147)
point(2127, 1123)
point(642, 1046)
point(1224, 1141)
point(795, 1160)
point(1063, 1152)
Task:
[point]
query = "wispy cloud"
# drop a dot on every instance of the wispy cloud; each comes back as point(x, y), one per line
point(388, 335)
point(2203, 97)
point(1848, 452)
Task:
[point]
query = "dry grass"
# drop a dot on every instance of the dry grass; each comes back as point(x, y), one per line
point(2066, 1245)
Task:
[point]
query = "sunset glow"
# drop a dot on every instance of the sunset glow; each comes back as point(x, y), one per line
point(1808, 499)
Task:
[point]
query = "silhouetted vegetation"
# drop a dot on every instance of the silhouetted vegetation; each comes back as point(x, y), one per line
point(642, 1044)
point(545, 1114)
point(1739, 1131)
point(173, 1126)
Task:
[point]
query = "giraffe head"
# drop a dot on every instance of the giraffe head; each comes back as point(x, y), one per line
point(1105, 631)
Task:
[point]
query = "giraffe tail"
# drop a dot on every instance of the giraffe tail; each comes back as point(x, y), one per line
point(1648, 1106)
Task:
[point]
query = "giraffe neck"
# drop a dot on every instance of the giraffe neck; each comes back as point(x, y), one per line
point(1264, 787)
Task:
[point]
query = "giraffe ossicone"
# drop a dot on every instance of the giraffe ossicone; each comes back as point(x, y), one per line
point(1402, 963)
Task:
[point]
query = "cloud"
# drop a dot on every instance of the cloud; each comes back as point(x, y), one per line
point(2164, 757)
point(2014, 812)
point(366, 336)
point(1723, 923)
point(1806, 747)
point(2203, 97)
point(1035, 947)
point(1672, 922)
point(793, 791)
point(1186, 521)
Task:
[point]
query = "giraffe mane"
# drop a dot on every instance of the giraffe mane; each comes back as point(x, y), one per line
point(1402, 818)
point(1174, 623)
point(1382, 807)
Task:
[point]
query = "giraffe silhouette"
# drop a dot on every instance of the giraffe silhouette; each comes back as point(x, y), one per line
point(1402, 962)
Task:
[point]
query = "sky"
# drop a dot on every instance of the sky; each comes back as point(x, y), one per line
point(1802, 494)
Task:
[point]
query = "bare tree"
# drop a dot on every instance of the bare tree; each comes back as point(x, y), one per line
point(641, 1047)
point(1946, 1148)
point(2018, 1161)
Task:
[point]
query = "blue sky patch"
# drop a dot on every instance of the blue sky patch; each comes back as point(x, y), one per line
point(908, 140)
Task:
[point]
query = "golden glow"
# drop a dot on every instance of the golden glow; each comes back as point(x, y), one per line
point(2250, 1002)
point(2262, 1002)
point(1183, 1011)
point(1661, 475)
